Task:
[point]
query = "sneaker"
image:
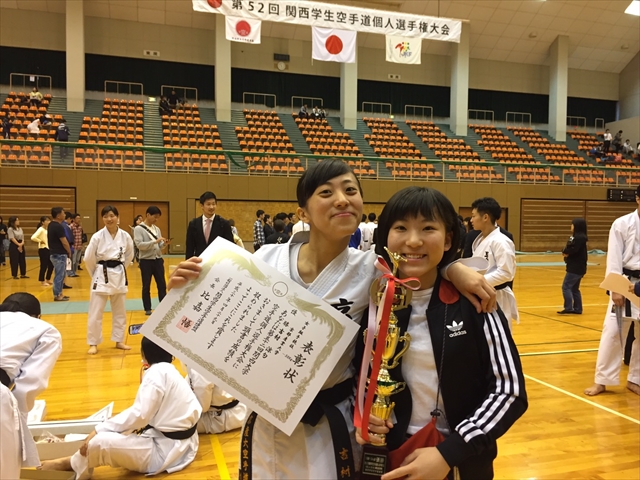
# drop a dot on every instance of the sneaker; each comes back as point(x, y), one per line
point(565, 312)
point(147, 312)
point(72, 275)
point(61, 299)
point(66, 286)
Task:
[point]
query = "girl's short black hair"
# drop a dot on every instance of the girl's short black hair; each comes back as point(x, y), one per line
point(153, 353)
point(319, 174)
point(109, 208)
point(411, 202)
point(21, 302)
point(12, 222)
point(579, 226)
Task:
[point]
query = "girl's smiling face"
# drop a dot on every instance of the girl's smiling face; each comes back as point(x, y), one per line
point(422, 243)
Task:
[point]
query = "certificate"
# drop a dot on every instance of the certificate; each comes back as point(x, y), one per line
point(254, 332)
point(617, 283)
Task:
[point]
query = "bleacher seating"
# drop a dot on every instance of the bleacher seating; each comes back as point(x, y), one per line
point(265, 133)
point(323, 140)
point(185, 129)
point(558, 154)
point(121, 124)
point(388, 141)
point(586, 141)
point(22, 114)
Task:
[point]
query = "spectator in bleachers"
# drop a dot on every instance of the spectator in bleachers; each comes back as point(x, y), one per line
point(596, 152)
point(165, 108)
point(34, 127)
point(268, 226)
point(278, 235)
point(62, 135)
point(174, 100)
point(35, 97)
point(303, 112)
point(627, 148)
point(607, 141)
point(617, 141)
point(315, 113)
point(7, 125)
point(323, 113)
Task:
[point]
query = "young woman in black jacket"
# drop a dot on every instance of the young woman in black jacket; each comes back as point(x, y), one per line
point(575, 256)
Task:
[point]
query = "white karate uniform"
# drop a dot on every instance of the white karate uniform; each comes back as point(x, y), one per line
point(165, 401)
point(500, 252)
point(29, 348)
point(308, 453)
point(104, 247)
point(367, 236)
point(215, 420)
point(623, 252)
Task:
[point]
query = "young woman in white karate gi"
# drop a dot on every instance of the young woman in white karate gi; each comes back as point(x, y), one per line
point(220, 411)
point(330, 201)
point(107, 257)
point(156, 434)
point(29, 348)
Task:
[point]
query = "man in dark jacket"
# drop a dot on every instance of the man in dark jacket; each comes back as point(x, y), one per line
point(62, 135)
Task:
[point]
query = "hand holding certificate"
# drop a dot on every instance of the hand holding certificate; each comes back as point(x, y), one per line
point(254, 331)
point(620, 284)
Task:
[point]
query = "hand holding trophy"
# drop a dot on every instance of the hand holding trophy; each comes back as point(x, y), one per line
point(389, 294)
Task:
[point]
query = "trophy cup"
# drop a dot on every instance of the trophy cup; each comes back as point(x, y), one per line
point(375, 458)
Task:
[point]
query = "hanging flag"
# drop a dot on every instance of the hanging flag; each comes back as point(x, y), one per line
point(332, 45)
point(404, 50)
point(244, 30)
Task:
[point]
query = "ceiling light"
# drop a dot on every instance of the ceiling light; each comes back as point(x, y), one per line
point(633, 8)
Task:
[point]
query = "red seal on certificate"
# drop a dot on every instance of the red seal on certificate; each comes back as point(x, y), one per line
point(185, 324)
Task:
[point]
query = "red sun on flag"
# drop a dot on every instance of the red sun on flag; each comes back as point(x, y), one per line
point(214, 3)
point(243, 28)
point(333, 45)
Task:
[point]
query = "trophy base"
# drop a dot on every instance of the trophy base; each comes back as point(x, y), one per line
point(375, 462)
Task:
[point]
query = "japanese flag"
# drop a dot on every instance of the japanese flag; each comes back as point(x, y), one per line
point(333, 45)
point(244, 30)
point(404, 50)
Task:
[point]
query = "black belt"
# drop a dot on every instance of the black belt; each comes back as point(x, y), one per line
point(111, 264)
point(181, 435)
point(322, 406)
point(503, 285)
point(631, 273)
point(5, 380)
point(226, 406)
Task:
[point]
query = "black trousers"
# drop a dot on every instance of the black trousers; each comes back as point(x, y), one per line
point(46, 267)
point(155, 269)
point(17, 259)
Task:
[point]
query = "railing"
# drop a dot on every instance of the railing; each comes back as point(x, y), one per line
point(224, 162)
point(265, 99)
point(381, 107)
point(302, 102)
point(475, 115)
point(577, 123)
point(518, 119)
point(166, 90)
point(599, 125)
point(33, 78)
point(425, 112)
point(123, 88)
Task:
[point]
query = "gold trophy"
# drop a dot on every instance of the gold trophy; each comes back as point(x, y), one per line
point(375, 458)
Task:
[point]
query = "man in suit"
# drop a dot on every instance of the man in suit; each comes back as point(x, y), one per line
point(205, 229)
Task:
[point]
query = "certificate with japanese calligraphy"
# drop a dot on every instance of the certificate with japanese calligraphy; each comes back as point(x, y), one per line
point(254, 332)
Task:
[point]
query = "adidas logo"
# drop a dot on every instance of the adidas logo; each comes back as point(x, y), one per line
point(456, 328)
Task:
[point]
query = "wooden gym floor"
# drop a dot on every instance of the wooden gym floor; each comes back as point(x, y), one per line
point(564, 434)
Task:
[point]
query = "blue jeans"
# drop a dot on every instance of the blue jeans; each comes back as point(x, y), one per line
point(571, 292)
point(59, 267)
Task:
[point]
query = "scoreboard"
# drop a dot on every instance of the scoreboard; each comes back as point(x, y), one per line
point(621, 195)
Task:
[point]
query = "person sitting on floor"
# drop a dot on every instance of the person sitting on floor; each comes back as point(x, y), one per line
point(156, 434)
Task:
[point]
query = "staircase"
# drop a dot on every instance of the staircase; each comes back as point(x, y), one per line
point(294, 133)
point(424, 149)
point(228, 135)
point(358, 137)
point(153, 137)
point(58, 106)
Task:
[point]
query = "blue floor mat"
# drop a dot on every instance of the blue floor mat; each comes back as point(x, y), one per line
point(61, 308)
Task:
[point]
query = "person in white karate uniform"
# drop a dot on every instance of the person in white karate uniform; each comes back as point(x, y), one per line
point(29, 348)
point(623, 257)
point(220, 411)
point(499, 251)
point(107, 257)
point(156, 434)
point(330, 202)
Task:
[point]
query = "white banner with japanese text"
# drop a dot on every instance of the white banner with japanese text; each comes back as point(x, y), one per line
point(245, 30)
point(254, 332)
point(404, 50)
point(329, 15)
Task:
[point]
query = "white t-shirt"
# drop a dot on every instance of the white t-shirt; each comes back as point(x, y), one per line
point(419, 367)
